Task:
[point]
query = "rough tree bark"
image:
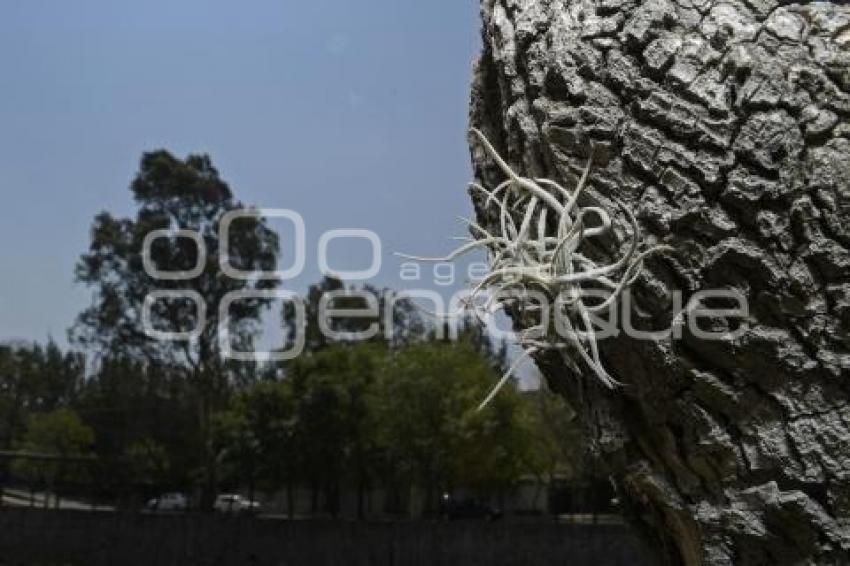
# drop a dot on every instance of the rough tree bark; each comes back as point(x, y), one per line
point(724, 124)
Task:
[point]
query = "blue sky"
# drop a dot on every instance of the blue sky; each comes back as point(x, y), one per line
point(351, 113)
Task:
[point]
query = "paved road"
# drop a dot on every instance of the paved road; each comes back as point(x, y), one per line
point(21, 498)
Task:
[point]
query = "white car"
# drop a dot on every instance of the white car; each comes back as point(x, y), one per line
point(234, 503)
point(169, 502)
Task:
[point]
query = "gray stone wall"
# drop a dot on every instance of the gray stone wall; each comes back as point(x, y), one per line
point(49, 538)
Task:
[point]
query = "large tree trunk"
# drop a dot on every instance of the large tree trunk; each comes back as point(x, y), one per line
point(724, 125)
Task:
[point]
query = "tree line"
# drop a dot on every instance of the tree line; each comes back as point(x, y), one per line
point(350, 417)
point(134, 415)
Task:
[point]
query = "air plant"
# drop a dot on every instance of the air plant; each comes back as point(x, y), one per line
point(528, 261)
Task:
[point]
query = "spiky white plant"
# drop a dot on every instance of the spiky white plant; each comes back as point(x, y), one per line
point(527, 261)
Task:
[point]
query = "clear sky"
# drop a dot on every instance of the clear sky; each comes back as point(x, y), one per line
point(352, 113)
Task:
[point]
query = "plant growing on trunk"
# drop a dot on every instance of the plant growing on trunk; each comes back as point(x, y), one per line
point(539, 251)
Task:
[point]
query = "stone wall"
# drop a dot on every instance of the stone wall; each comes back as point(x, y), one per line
point(31, 537)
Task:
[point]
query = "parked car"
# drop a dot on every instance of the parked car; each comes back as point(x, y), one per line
point(169, 502)
point(234, 503)
point(471, 508)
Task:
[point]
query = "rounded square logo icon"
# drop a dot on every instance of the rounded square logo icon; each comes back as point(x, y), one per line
point(299, 243)
point(174, 336)
point(227, 351)
point(351, 234)
point(151, 268)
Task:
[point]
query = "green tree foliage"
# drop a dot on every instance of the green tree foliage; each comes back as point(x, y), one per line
point(557, 444)
point(335, 388)
point(358, 416)
point(345, 416)
point(174, 194)
point(255, 438)
point(57, 445)
point(435, 438)
point(35, 379)
point(171, 195)
point(148, 462)
point(349, 417)
point(132, 407)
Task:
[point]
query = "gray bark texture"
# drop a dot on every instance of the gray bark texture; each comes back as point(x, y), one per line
point(724, 125)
